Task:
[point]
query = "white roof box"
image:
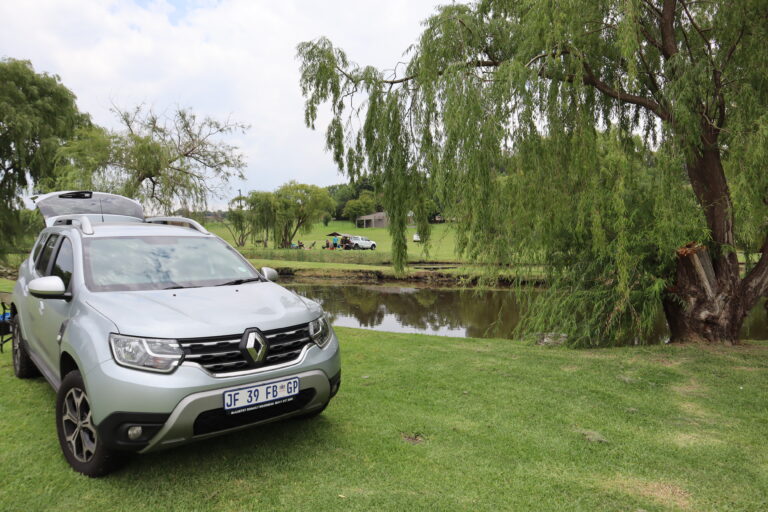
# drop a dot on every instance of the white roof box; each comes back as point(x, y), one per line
point(85, 202)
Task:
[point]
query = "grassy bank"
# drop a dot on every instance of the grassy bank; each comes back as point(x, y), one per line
point(429, 423)
point(461, 275)
point(442, 248)
point(6, 285)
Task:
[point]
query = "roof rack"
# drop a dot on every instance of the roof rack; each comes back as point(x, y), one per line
point(81, 221)
point(178, 220)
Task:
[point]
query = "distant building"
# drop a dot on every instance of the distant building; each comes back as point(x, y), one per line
point(380, 220)
point(374, 220)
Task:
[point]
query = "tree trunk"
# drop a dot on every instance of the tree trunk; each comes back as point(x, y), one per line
point(707, 302)
point(699, 307)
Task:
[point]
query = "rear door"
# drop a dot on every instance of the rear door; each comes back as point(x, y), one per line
point(86, 202)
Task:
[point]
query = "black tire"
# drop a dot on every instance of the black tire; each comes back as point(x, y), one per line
point(23, 367)
point(356, 247)
point(78, 436)
point(373, 247)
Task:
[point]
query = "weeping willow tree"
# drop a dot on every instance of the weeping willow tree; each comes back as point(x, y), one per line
point(168, 162)
point(620, 145)
point(38, 114)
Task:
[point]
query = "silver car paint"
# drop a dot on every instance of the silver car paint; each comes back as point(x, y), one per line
point(89, 317)
point(200, 312)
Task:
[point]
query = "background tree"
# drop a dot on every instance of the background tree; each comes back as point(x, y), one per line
point(166, 162)
point(498, 83)
point(37, 115)
point(341, 194)
point(239, 221)
point(263, 207)
point(299, 206)
point(363, 205)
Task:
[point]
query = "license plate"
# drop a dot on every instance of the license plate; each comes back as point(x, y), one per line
point(261, 395)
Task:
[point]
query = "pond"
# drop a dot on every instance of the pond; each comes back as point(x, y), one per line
point(444, 312)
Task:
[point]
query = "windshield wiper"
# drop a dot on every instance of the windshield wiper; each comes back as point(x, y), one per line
point(240, 281)
point(179, 287)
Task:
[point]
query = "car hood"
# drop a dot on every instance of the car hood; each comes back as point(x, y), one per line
point(202, 312)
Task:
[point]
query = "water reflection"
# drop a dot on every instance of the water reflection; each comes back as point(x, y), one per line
point(446, 312)
point(461, 313)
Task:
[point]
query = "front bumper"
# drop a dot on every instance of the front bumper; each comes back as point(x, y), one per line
point(187, 405)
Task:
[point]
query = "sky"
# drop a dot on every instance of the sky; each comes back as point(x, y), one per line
point(225, 59)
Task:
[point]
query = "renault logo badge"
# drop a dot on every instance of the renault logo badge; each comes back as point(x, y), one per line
point(255, 345)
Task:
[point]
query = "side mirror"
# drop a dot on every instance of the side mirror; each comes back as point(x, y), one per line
point(269, 273)
point(49, 287)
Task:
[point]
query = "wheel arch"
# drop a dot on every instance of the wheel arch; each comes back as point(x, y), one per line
point(67, 364)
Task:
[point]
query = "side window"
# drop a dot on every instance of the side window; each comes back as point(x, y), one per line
point(65, 263)
point(45, 257)
point(38, 247)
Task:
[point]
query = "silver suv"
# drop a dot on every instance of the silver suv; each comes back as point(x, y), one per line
point(154, 332)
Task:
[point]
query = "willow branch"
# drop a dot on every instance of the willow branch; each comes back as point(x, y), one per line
point(480, 63)
point(667, 25)
point(634, 99)
point(698, 29)
point(649, 5)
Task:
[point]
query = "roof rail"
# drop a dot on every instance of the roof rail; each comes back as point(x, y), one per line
point(178, 220)
point(81, 221)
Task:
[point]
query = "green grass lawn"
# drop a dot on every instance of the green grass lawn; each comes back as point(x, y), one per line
point(431, 423)
point(6, 285)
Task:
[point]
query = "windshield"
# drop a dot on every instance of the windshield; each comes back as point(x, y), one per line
point(161, 262)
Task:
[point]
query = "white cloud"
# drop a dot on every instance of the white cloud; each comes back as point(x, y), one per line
point(221, 58)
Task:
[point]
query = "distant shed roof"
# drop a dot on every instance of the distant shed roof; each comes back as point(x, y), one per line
point(373, 216)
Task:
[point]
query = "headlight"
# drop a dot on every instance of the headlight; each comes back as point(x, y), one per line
point(146, 353)
point(320, 331)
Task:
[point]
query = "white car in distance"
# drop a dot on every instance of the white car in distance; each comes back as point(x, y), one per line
point(360, 242)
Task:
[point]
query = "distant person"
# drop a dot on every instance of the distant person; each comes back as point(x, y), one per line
point(327, 244)
point(301, 244)
point(335, 242)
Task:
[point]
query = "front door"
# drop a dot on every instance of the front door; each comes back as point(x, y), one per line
point(49, 315)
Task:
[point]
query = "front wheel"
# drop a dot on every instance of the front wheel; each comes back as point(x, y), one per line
point(373, 247)
point(23, 367)
point(78, 436)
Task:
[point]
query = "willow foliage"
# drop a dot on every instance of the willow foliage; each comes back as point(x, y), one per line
point(37, 115)
point(561, 136)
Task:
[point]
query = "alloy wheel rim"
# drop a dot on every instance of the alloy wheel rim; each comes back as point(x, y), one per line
point(79, 432)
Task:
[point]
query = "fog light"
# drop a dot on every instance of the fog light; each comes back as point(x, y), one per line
point(134, 432)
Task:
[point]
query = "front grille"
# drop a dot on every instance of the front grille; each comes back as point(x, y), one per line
point(286, 344)
point(215, 420)
point(222, 354)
